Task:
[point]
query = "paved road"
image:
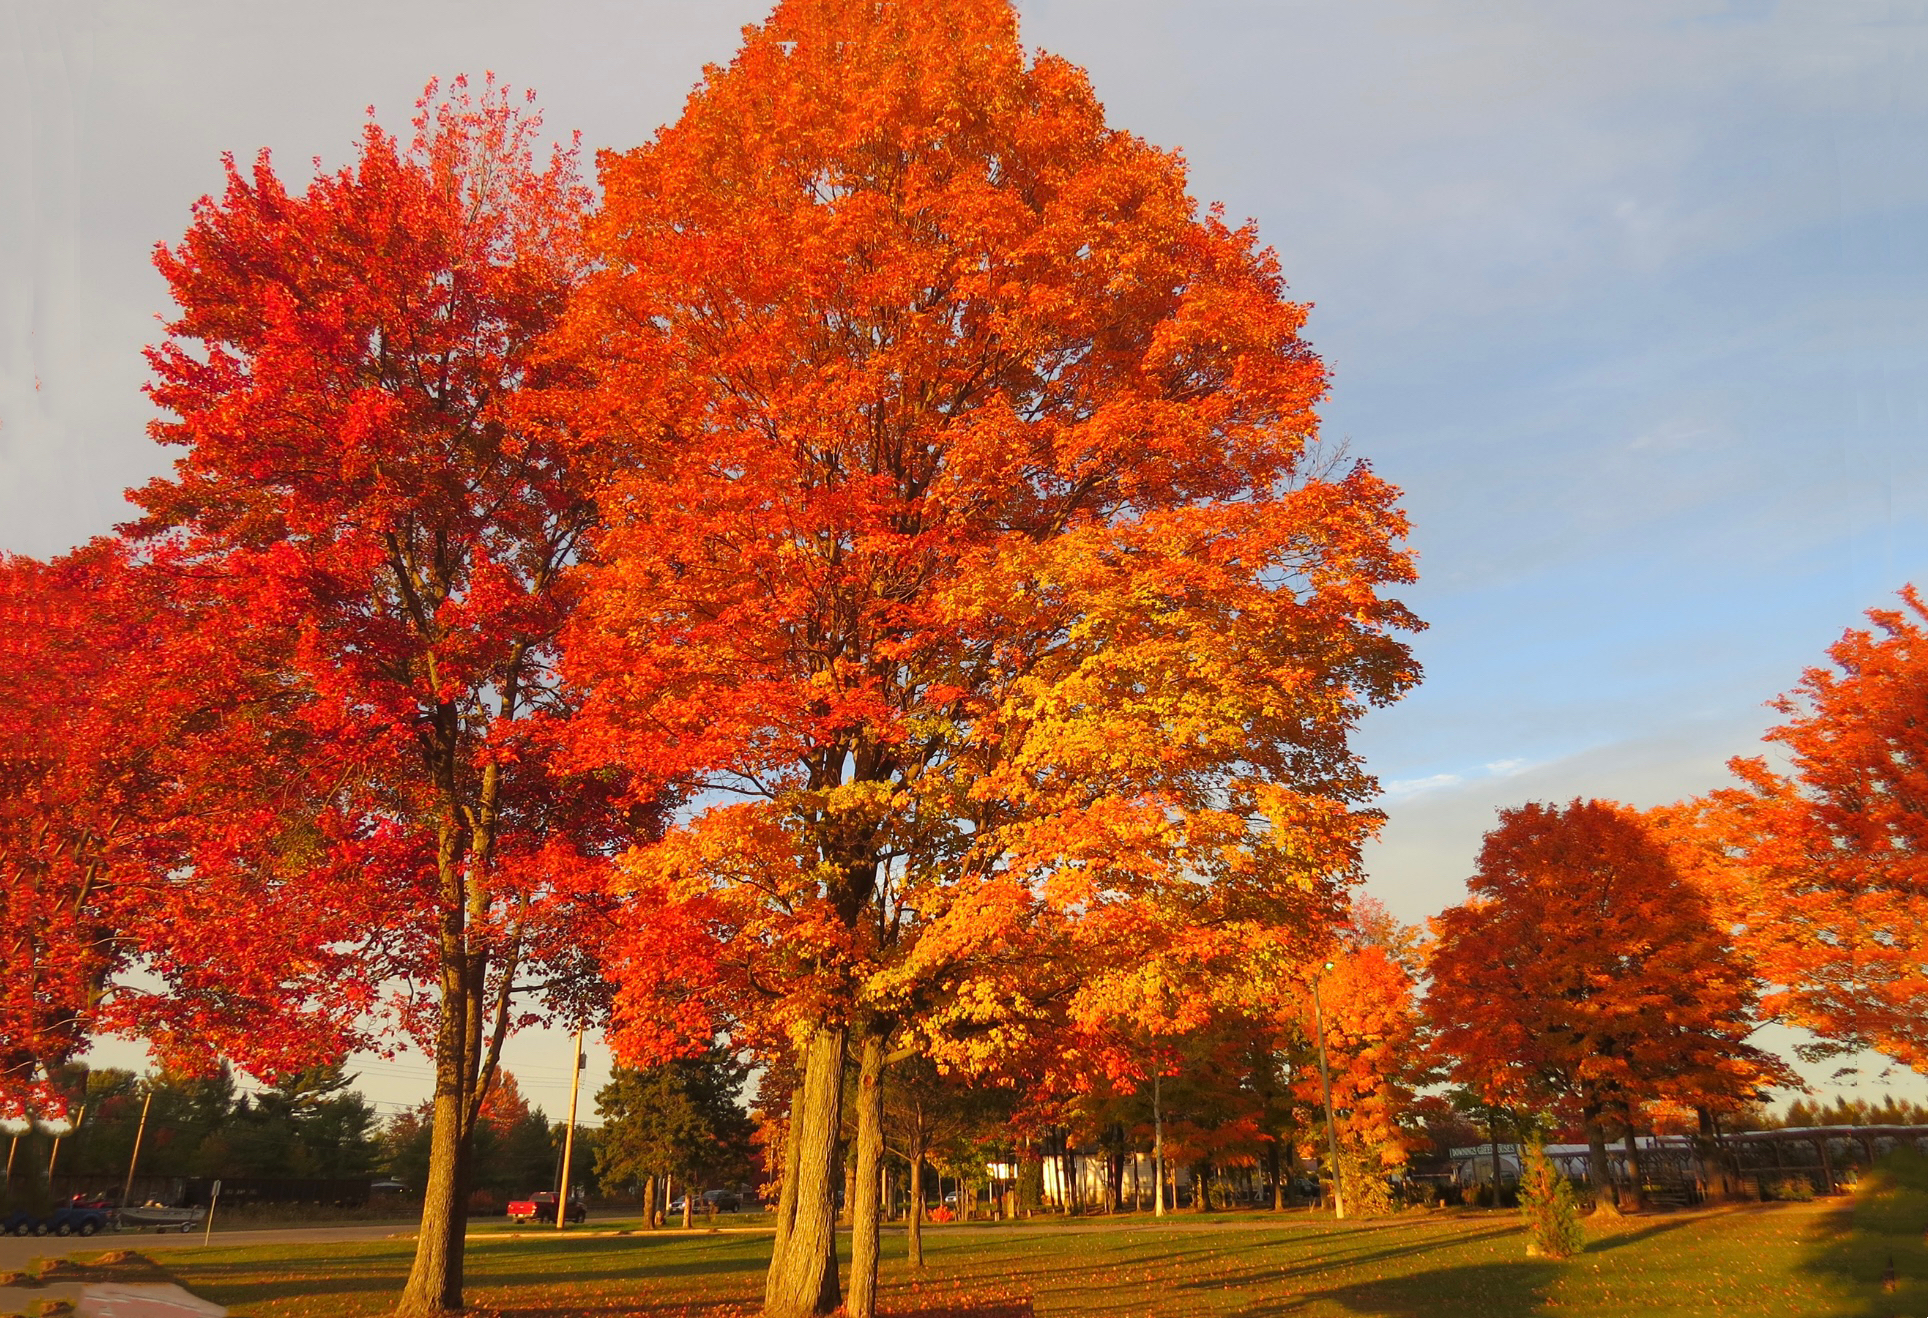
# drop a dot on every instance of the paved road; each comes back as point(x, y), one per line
point(16, 1250)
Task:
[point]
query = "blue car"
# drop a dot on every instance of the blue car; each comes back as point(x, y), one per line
point(73, 1220)
point(78, 1220)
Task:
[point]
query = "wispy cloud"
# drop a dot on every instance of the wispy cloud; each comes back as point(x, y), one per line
point(1405, 789)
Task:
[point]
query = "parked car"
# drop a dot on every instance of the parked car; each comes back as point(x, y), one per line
point(719, 1201)
point(541, 1207)
point(67, 1220)
point(24, 1223)
point(79, 1220)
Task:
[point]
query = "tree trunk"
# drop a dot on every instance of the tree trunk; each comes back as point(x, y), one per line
point(802, 1281)
point(649, 1200)
point(1272, 1172)
point(689, 1200)
point(435, 1278)
point(1636, 1193)
point(1605, 1192)
point(914, 1222)
point(869, 1158)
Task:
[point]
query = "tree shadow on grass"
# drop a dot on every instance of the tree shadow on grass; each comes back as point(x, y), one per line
point(630, 1273)
point(1477, 1290)
point(1301, 1272)
point(1855, 1247)
point(1605, 1241)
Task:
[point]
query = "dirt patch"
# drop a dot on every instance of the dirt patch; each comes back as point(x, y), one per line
point(122, 1265)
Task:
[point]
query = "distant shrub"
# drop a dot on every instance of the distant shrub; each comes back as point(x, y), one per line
point(1368, 1192)
point(1546, 1200)
point(1791, 1189)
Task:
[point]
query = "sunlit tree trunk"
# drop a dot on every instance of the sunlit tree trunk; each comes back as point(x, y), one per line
point(868, 1156)
point(802, 1281)
point(914, 1220)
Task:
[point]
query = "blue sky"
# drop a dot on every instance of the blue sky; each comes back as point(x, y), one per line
point(1631, 299)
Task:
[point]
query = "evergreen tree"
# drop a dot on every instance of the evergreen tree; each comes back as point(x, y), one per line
point(681, 1118)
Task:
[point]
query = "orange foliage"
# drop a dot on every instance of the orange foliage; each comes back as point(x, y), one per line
point(1375, 1047)
point(963, 528)
point(1824, 869)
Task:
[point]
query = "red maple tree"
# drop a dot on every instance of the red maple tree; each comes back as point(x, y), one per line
point(361, 476)
point(144, 761)
point(1586, 974)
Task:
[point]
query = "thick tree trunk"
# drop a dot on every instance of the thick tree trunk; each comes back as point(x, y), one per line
point(689, 1201)
point(914, 1221)
point(649, 1201)
point(861, 1301)
point(802, 1281)
point(1712, 1157)
point(1606, 1195)
point(1636, 1192)
point(1272, 1173)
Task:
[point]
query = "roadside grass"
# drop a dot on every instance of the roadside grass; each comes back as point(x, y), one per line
point(1773, 1261)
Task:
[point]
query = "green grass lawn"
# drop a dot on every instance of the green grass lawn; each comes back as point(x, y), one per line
point(1787, 1261)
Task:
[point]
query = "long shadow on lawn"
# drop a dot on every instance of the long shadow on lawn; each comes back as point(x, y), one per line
point(1599, 1243)
point(1879, 1242)
point(1303, 1271)
point(240, 1282)
point(1476, 1290)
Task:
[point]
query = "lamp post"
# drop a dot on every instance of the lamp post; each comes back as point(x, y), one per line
point(1157, 1151)
point(1325, 1086)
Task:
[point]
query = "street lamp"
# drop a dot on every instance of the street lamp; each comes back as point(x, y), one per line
point(1325, 1085)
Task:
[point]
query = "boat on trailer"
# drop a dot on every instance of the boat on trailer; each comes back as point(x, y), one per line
point(162, 1219)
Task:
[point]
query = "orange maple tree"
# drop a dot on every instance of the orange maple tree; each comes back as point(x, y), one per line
point(1824, 867)
point(966, 547)
point(1378, 1051)
point(1586, 974)
point(362, 482)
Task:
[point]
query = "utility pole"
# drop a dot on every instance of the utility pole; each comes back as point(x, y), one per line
point(1325, 1085)
point(1157, 1149)
point(140, 1131)
point(569, 1139)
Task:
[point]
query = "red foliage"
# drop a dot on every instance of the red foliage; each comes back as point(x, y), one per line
point(148, 823)
point(1585, 972)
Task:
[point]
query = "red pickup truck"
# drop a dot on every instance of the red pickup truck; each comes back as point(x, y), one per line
point(541, 1207)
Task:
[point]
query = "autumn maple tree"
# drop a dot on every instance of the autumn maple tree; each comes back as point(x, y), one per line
point(1823, 865)
point(359, 475)
point(140, 751)
point(1377, 1048)
point(967, 548)
point(1586, 976)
